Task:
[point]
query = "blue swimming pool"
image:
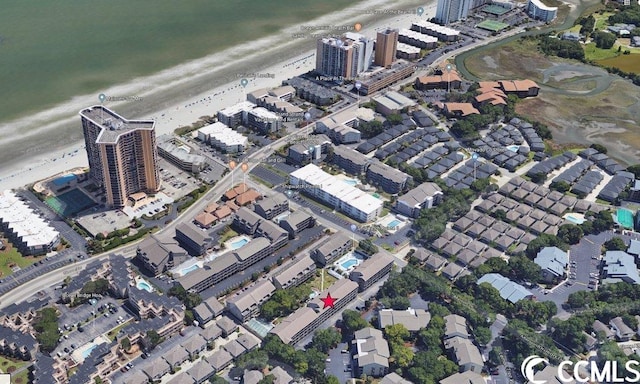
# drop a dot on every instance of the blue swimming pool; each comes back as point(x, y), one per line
point(62, 180)
point(238, 244)
point(575, 220)
point(143, 285)
point(513, 148)
point(88, 351)
point(351, 182)
point(394, 223)
point(349, 263)
point(192, 268)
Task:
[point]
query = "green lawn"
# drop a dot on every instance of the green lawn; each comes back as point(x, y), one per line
point(11, 256)
point(601, 20)
point(316, 282)
point(591, 52)
point(6, 363)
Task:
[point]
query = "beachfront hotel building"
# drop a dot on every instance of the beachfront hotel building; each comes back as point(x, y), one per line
point(327, 188)
point(345, 57)
point(123, 158)
point(449, 11)
point(536, 9)
point(386, 46)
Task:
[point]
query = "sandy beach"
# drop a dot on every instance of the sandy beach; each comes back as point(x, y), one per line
point(179, 96)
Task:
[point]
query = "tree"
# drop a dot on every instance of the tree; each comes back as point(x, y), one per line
point(326, 339)
point(255, 359)
point(401, 355)
point(394, 119)
point(544, 240)
point(570, 233)
point(215, 379)
point(352, 321)
point(483, 335)
point(615, 244)
point(153, 338)
point(523, 269)
point(561, 186)
point(268, 379)
point(367, 246)
point(396, 333)
point(599, 147)
point(603, 40)
point(588, 24)
point(635, 169)
point(332, 380)
point(125, 343)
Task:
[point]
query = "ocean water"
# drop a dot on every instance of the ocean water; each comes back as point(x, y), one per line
point(53, 50)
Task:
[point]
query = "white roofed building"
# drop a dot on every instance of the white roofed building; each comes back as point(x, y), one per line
point(26, 230)
point(222, 137)
point(355, 203)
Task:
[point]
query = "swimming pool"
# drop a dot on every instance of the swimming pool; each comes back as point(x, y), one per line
point(351, 182)
point(62, 180)
point(513, 148)
point(575, 220)
point(348, 263)
point(238, 244)
point(143, 285)
point(88, 351)
point(192, 268)
point(394, 223)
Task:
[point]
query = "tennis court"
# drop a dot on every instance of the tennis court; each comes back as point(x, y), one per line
point(495, 9)
point(70, 203)
point(492, 25)
point(625, 218)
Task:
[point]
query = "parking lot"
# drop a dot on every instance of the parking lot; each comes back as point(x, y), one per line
point(82, 324)
point(339, 363)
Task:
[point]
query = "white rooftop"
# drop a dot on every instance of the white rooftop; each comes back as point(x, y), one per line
point(243, 106)
point(220, 132)
point(417, 36)
point(24, 222)
point(333, 186)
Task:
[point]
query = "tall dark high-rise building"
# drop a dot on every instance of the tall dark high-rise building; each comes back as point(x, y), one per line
point(386, 46)
point(123, 158)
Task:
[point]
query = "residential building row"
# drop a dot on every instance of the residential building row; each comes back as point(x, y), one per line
point(313, 181)
point(305, 320)
point(249, 115)
point(26, 230)
point(387, 178)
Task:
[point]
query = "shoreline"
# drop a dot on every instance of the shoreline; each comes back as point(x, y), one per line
point(199, 94)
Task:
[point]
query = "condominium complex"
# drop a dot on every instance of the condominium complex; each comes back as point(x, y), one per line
point(432, 29)
point(355, 203)
point(24, 228)
point(220, 136)
point(345, 57)
point(332, 248)
point(123, 158)
point(371, 270)
point(386, 45)
point(305, 320)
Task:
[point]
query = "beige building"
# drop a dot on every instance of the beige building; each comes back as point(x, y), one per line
point(123, 158)
point(386, 45)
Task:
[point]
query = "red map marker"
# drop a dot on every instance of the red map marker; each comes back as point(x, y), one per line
point(328, 301)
